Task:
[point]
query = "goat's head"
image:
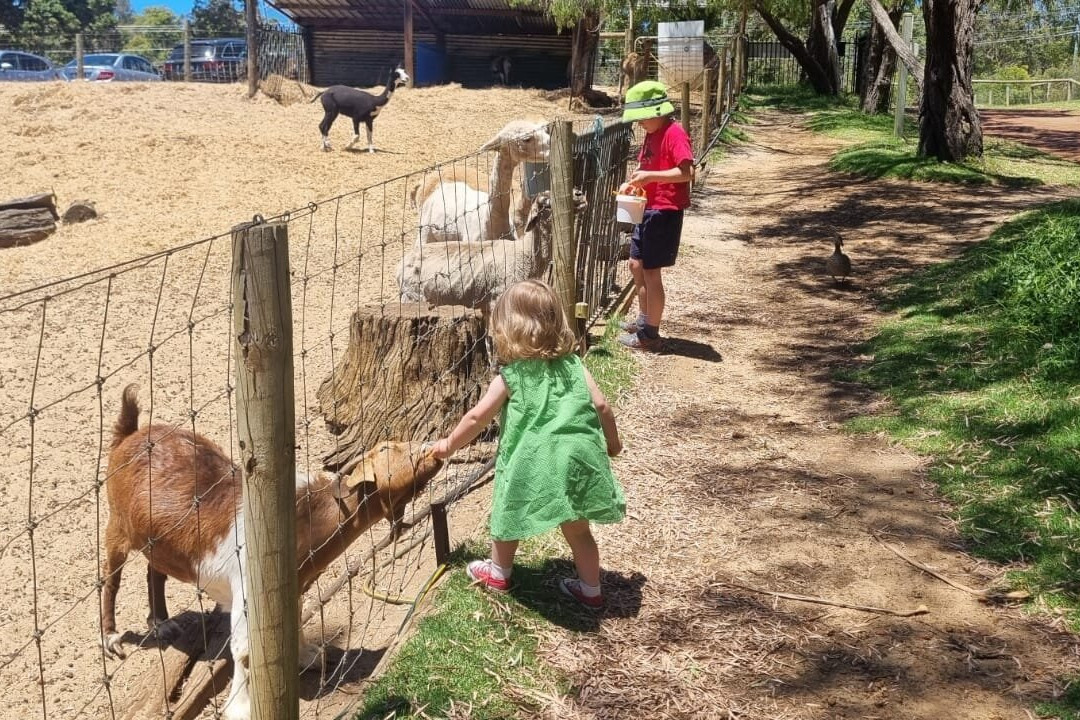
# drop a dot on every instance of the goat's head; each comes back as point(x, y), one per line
point(399, 77)
point(541, 208)
point(523, 140)
point(395, 472)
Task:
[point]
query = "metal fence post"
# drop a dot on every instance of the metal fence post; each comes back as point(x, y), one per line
point(562, 207)
point(265, 427)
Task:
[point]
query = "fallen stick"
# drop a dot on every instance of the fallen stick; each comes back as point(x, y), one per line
point(985, 594)
point(921, 610)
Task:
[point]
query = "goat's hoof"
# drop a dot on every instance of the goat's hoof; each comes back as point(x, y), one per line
point(238, 710)
point(113, 646)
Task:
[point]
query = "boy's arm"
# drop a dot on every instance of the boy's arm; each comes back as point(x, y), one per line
point(475, 420)
point(679, 174)
point(607, 417)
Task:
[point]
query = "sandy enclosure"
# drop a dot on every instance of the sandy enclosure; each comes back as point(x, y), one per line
point(172, 168)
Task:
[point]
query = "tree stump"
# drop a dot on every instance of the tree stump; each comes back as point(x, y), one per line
point(409, 373)
point(191, 671)
point(27, 220)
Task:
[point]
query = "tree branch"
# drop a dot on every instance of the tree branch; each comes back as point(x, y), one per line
point(897, 43)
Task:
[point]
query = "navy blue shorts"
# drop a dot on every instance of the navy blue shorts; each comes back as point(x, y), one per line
point(655, 241)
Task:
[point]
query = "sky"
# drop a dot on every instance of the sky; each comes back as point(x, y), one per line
point(183, 7)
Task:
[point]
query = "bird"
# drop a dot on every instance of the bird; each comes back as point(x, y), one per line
point(838, 265)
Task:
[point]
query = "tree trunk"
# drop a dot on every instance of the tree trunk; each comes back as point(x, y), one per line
point(949, 126)
point(821, 44)
point(886, 21)
point(876, 78)
point(817, 74)
point(585, 43)
point(409, 373)
point(25, 226)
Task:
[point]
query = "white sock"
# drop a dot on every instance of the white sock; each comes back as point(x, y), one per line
point(588, 590)
point(500, 573)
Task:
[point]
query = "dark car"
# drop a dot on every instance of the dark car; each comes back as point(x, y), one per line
point(215, 60)
point(18, 65)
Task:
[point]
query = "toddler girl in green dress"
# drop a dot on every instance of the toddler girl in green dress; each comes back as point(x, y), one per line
point(556, 433)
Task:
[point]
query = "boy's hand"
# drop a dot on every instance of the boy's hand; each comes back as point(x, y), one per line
point(640, 178)
point(614, 448)
point(442, 450)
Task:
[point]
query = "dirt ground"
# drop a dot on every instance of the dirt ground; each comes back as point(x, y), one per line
point(1055, 131)
point(740, 479)
point(171, 169)
point(736, 470)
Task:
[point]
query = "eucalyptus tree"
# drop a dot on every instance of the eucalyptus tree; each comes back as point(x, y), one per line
point(819, 54)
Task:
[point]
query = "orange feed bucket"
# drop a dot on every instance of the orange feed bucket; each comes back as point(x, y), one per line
point(630, 204)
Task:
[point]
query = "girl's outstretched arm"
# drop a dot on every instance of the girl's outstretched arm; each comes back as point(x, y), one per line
point(478, 418)
point(607, 417)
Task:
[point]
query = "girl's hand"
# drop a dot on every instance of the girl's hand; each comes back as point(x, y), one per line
point(442, 450)
point(614, 448)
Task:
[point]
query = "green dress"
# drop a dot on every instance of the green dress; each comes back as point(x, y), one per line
point(552, 465)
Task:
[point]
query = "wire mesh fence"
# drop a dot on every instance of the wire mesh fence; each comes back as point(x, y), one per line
point(368, 366)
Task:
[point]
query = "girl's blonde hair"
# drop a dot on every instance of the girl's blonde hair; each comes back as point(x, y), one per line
point(528, 323)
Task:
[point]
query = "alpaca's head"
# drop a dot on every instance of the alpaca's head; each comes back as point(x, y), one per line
point(521, 140)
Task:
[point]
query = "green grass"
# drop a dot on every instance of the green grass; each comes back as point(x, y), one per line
point(473, 646)
point(983, 367)
point(877, 153)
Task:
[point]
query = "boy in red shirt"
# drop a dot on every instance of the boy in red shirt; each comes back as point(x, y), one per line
point(664, 165)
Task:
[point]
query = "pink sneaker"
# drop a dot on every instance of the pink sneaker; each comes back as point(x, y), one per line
point(480, 571)
point(572, 587)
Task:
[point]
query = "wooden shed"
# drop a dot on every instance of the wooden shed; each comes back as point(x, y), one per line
point(357, 42)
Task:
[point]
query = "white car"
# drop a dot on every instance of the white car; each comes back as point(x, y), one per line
point(113, 67)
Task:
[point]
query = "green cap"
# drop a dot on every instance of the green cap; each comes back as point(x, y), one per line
point(647, 99)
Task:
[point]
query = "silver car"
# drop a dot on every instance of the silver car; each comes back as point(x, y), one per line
point(18, 65)
point(113, 67)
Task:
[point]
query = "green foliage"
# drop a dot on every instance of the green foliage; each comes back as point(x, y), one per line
point(215, 18)
point(982, 365)
point(153, 46)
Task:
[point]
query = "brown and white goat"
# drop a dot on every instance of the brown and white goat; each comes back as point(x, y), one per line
point(175, 496)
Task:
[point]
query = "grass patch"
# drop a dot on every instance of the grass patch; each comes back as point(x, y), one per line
point(877, 153)
point(472, 647)
point(983, 367)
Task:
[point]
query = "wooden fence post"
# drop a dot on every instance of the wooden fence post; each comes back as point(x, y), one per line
point(252, 34)
point(901, 85)
point(721, 87)
point(265, 416)
point(562, 207)
point(187, 51)
point(684, 110)
point(79, 53)
point(707, 108)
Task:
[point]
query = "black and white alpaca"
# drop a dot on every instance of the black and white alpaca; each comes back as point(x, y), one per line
point(500, 69)
point(356, 104)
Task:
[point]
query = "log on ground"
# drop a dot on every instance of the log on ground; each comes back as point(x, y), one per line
point(23, 226)
point(409, 373)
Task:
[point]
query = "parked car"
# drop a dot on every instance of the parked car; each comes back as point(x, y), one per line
point(216, 60)
point(18, 65)
point(113, 67)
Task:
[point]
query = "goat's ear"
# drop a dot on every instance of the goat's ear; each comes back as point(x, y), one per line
point(364, 472)
point(492, 144)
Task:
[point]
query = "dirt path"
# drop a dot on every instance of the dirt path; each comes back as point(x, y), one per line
point(1055, 131)
point(737, 471)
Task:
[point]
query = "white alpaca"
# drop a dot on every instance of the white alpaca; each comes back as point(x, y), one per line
point(474, 274)
point(452, 208)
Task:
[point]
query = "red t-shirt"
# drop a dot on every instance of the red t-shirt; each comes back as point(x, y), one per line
point(662, 150)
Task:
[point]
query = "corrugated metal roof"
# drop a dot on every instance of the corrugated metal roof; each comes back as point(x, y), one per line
point(450, 17)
